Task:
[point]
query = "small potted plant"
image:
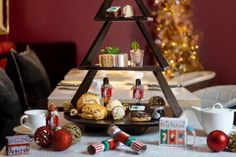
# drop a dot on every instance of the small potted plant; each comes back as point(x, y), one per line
point(136, 54)
point(111, 56)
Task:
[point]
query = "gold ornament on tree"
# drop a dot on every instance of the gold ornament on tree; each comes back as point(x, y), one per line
point(176, 37)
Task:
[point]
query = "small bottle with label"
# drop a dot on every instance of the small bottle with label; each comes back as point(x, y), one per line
point(137, 91)
point(106, 91)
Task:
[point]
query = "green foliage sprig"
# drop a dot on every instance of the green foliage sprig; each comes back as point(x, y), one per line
point(111, 50)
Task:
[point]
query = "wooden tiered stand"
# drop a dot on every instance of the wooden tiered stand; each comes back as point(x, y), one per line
point(157, 70)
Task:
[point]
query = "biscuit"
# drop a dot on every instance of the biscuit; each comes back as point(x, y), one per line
point(93, 112)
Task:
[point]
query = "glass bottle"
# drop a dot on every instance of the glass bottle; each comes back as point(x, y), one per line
point(106, 91)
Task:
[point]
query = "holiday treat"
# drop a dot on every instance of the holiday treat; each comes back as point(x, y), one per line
point(74, 131)
point(118, 112)
point(103, 146)
point(126, 139)
point(128, 11)
point(114, 11)
point(61, 140)
point(156, 101)
point(112, 104)
point(18, 145)
point(73, 112)
point(42, 136)
point(67, 106)
point(139, 116)
point(87, 99)
point(94, 112)
point(217, 140)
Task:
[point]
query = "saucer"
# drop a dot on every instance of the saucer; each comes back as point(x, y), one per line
point(22, 130)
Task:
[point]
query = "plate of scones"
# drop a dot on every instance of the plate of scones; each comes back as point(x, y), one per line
point(132, 118)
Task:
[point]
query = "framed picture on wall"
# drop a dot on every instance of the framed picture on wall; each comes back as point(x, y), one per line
point(4, 17)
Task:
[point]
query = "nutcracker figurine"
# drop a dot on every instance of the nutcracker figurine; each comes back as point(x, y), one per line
point(106, 91)
point(52, 118)
point(138, 91)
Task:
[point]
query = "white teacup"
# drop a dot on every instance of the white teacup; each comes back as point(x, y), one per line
point(33, 119)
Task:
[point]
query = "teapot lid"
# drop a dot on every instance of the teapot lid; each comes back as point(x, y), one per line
point(217, 108)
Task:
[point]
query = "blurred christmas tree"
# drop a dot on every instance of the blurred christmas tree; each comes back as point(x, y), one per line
point(175, 36)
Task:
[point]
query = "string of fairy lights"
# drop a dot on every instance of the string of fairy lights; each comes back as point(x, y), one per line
point(176, 37)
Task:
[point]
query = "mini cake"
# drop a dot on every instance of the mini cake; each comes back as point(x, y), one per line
point(139, 116)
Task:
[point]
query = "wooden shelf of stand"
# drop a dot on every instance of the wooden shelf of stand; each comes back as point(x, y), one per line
point(122, 19)
point(129, 68)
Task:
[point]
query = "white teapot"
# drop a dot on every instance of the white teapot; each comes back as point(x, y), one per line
point(215, 118)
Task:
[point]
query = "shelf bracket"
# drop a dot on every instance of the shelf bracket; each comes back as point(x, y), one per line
point(170, 98)
point(84, 86)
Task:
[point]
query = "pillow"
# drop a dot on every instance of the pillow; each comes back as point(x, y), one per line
point(30, 79)
point(10, 109)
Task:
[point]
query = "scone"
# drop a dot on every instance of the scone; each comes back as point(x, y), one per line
point(139, 116)
point(93, 112)
point(87, 99)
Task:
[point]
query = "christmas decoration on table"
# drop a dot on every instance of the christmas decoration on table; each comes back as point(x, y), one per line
point(217, 140)
point(103, 146)
point(126, 139)
point(42, 136)
point(18, 145)
point(52, 118)
point(136, 54)
point(172, 131)
point(231, 146)
point(74, 131)
point(176, 37)
point(61, 140)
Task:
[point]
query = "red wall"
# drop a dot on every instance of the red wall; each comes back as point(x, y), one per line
point(73, 20)
point(216, 19)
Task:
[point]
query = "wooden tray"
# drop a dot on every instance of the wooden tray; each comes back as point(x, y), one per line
point(133, 128)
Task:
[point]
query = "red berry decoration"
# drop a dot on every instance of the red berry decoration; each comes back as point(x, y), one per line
point(217, 140)
point(42, 136)
point(61, 140)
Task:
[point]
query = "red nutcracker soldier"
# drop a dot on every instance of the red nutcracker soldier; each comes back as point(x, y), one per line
point(52, 119)
point(138, 91)
point(106, 91)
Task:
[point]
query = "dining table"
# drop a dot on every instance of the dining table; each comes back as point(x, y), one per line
point(150, 138)
point(196, 146)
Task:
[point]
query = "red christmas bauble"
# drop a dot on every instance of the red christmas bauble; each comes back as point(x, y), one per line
point(42, 136)
point(217, 140)
point(61, 140)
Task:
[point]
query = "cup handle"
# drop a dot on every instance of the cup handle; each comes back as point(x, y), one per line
point(22, 121)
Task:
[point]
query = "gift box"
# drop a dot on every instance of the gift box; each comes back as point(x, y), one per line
point(18, 145)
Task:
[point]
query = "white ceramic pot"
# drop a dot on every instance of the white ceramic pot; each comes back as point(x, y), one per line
point(215, 118)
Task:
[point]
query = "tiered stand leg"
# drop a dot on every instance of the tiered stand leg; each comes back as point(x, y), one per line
point(84, 86)
point(170, 98)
